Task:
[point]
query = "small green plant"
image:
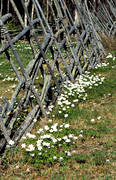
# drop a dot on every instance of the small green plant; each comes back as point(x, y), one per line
point(91, 133)
point(80, 158)
point(99, 158)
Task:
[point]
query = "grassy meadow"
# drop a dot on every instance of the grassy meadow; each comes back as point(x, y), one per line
point(78, 140)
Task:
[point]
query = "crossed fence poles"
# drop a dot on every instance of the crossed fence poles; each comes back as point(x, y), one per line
point(82, 49)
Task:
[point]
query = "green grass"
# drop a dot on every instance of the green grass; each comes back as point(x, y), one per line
point(95, 156)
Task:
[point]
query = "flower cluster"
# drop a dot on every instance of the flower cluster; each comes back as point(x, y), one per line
point(75, 92)
point(109, 56)
point(102, 65)
point(52, 143)
point(8, 79)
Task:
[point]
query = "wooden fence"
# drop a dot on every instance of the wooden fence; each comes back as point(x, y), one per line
point(74, 48)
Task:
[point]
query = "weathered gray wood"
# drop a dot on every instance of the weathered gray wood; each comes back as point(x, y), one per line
point(17, 12)
point(43, 16)
point(19, 36)
point(90, 23)
point(21, 130)
point(12, 64)
point(5, 17)
point(4, 130)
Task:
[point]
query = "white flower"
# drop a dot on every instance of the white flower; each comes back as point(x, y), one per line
point(32, 155)
point(35, 120)
point(40, 130)
point(46, 128)
point(72, 105)
point(75, 138)
point(73, 151)
point(92, 120)
point(66, 125)
point(65, 137)
point(60, 112)
point(80, 135)
point(39, 141)
point(99, 117)
point(68, 140)
point(68, 154)
point(109, 94)
point(61, 159)
point(96, 84)
point(59, 103)
point(23, 145)
point(64, 109)
point(30, 135)
point(54, 157)
point(50, 120)
point(46, 144)
point(107, 160)
point(65, 115)
point(84, 98)
point(39, 148)
point(54, 127)
point(30, 148)
point(70, 136)
point(54, 140)
point(50, 109)
point(45, 136)
point(51, 130)
point(24, 137)
point(11, 142)
point(27, 170)
point(17, 167)
point(109, 56)
point(59, 139)
point(52, 106)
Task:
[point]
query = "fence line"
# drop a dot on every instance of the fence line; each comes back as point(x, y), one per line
point(74, 48)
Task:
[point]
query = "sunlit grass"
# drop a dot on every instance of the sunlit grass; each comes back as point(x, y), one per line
point(95, 156)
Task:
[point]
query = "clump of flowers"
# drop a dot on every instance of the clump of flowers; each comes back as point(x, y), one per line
point(75, 92)
point(51, 144)
point(109, 56)
point(102, 65)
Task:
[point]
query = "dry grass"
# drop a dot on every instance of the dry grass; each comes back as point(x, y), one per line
point(109, 43)
point(85, 165)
